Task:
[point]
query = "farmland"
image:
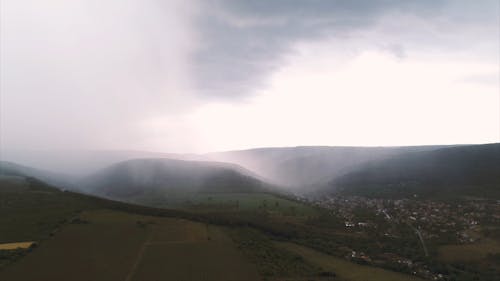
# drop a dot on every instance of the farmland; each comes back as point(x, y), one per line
point(89, 238)
point(110, 245)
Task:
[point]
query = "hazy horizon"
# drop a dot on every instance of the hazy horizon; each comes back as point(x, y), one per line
point(206, 76)
point(242, 148)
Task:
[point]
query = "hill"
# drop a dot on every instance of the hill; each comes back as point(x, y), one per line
point(465, 170)
point(306, 166)
point(78, 162)
point(55, 179)
point(148, 177)
point(296, 167)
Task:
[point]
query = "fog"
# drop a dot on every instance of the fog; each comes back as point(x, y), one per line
point(85, 84)
point(86, 74)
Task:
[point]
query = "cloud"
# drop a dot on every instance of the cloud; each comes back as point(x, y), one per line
point(245, 41)
point(371, 98)
point(192, 75)
point(87, 73)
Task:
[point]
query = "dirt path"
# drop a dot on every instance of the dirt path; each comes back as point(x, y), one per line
point(139, 257)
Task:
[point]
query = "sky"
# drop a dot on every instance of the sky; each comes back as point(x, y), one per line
point(198, 76)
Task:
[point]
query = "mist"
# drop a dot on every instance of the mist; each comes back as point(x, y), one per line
point(85, 84)
point(87, 74)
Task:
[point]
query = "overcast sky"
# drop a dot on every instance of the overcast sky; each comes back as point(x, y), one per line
point(199, 76)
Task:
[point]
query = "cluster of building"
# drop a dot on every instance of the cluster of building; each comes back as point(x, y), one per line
point(450, 221)
point(433, 218)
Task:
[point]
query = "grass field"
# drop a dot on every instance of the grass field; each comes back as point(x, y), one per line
point(31, 213)
point(345, 270)
point(247, 202)
point(469, 252)
point(110, 245)
point(12, 183)
point(272, 261)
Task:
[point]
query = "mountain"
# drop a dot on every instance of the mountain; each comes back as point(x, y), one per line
point(306, 166)
point(143, 177)
point(464, 170)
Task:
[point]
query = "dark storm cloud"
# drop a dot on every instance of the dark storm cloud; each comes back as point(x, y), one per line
point(243, 41)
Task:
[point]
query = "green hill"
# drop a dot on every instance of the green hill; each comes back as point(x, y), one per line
point(305, 166)
point(55, 179)
point(149, 177)
point(455, 171)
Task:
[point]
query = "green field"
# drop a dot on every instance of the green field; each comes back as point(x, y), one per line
point(110, 245)
point(232, 202)
point(344, 269)
point(252, 202)
point(273, 261)
point(32, 211)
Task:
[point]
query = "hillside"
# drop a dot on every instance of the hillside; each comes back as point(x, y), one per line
point(305, 166)
point(78, 162)
point(465, 170)
point(55, 179)
point(297, 167)
point(143, 177)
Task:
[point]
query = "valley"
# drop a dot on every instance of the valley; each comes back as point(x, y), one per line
point(166, 219)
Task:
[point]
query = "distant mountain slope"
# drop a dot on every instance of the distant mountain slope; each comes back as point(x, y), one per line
point(299, 167)
point(135, 178)
point(55, 179)
point(463, 170)
point(308, 165)
point(78, 162)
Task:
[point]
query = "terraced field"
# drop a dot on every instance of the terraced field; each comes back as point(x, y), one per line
point(111, 245)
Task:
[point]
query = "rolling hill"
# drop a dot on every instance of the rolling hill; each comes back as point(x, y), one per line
point(465, 170)
point(52, 178)
point(306, 166)
point(294, 167)
point(147, 177)
point(78, 162)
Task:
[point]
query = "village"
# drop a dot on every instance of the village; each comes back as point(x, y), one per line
point(429, 221)
point(433, 218)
